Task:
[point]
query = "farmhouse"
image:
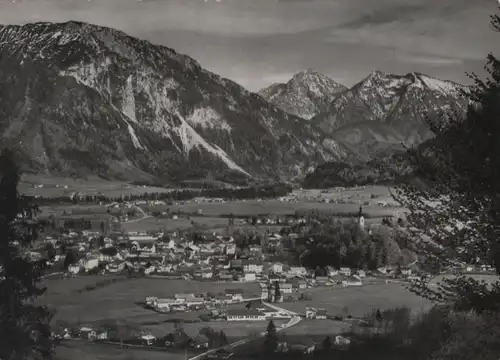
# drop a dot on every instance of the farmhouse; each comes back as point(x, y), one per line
point(277, 268)
point(345, 271)
point(286, 288)
point(230, 249)
point(253, 266)
point(87, 333)
point(148, 339)
point(322, 280)
point(352, 281)
point(249, 277)
point(300, 284)
point(234, 294)
point(297, 271)
point(312, 313)
point(245, 315)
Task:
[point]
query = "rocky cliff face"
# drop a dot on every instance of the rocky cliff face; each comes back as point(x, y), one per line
point(383, 111)
point(376, 119)
point(307, 94)
point(78, 99)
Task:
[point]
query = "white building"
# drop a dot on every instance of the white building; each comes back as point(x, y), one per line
point(74, 269)
point(297, 271)
point(345, 271)
point(250, 276)
point(242, 315)
point(142, 238)
point(253, 267)
point(90, 264)
point(277, 268)
point(230, 249)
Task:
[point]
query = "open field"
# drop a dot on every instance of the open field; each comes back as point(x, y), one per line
point(57, 286)
point(83, 350)
point(90, 186)
point(235, 330)
point(317, 328)
point(276, 207)
point(366, 193)
point(170, 224)
point(360, 300)
point(118, 300)
point(73, 209)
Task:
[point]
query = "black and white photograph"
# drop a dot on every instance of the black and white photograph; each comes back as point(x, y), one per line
point(249, 179)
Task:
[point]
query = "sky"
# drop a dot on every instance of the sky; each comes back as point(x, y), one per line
point(259, 42)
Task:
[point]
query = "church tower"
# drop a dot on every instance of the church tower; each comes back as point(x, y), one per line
point(361, 218)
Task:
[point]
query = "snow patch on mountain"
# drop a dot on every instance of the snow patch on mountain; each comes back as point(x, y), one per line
point(445, 87)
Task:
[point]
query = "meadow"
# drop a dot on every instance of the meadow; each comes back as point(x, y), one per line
point(83, 350)
point(121, 300)
point(316, 328)
point(56, 186)
point(360, 300)
point(182, 223)
point(276, 207)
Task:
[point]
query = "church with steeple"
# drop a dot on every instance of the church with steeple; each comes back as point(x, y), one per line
point(361, 218)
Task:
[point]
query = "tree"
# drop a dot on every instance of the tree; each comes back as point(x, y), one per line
point(69, 259)
point(25, 326)
point(327, 344)
point(456, 205)
point(223, 338)
point(277, 292)
point(50, 251)
point(271, 340)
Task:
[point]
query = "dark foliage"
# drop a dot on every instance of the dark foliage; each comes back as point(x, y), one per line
point(460, 210)
point(25, 326)
point(264, 191)
point(271, 339)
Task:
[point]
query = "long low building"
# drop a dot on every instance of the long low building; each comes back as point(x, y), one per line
point(245, 315)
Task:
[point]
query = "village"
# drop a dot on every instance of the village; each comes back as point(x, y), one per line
point(74, 246)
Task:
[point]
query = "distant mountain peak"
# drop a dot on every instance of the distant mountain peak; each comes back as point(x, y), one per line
point(306, 94)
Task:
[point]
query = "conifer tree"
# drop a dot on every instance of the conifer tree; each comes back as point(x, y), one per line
point(24, 326)
point(271, 340)
point(456, 205)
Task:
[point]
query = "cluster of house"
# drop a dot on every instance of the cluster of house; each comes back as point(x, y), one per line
point(102, 333)
point(299, 278)
point(191, 301)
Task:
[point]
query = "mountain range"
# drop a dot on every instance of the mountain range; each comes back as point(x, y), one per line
point(79, 99)
point(307, 94)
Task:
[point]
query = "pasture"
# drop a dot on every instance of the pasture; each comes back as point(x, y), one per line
point(360, 300)
point(182, 223)
point(234, 330)
point(276, 207)
point(56, 186)
point(119, 300)
point(73, 210)
point(320, 328)
point(83, 350)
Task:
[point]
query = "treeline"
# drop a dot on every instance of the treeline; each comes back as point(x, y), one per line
point(268, 191)
point(339, 244)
